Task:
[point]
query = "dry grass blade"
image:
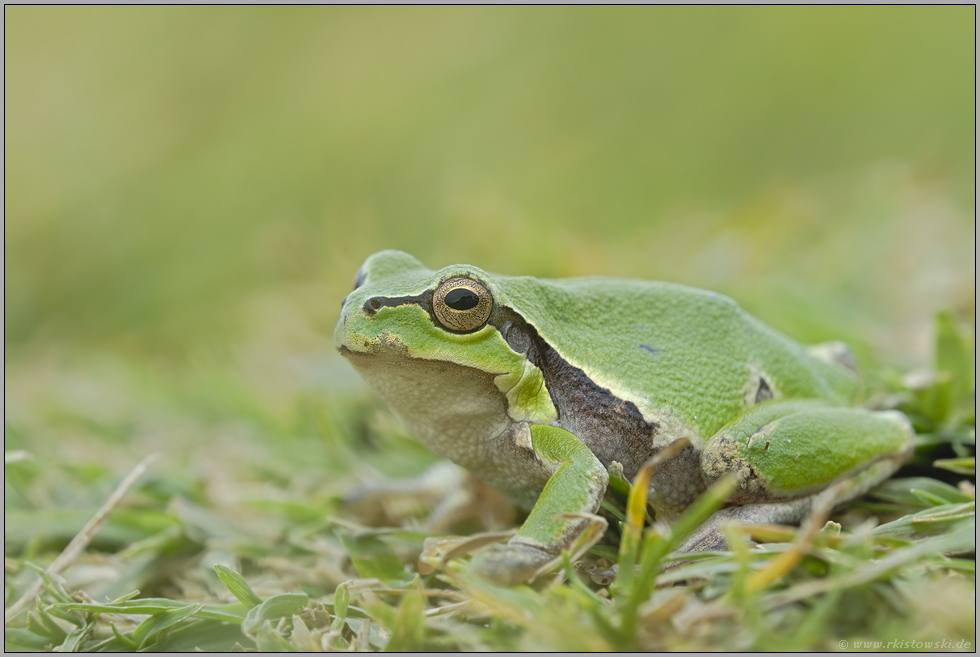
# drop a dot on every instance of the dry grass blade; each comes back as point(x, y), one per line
point(787, 561)
point(81, 540)
point(952, 542)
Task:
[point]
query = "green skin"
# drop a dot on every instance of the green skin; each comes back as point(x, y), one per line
point(639, 365)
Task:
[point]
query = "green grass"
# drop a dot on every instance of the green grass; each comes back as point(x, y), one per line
point(189, 191)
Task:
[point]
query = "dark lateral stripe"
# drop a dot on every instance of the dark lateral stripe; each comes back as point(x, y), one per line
point(423, 300)
point(613, 428)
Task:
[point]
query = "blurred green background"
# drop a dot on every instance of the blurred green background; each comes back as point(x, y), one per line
point(180, 178)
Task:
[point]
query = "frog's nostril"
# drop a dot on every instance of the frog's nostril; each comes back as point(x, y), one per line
point(372, 305)
point(343, 302)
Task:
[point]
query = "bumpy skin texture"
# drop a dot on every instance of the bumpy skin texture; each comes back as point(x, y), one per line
point(623, 368)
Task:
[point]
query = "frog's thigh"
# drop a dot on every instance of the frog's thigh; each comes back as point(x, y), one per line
point(785, 453)
point(789, 450)
point(575, 487)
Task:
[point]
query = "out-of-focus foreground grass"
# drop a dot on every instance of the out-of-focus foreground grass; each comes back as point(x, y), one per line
point(189, 191)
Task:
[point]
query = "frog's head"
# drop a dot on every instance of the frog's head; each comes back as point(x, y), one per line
point(446, 338)
point(400, 309)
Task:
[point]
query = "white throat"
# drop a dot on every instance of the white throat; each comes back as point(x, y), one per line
point(454, 410)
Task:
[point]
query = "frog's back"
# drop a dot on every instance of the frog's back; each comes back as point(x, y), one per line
point(671, 348)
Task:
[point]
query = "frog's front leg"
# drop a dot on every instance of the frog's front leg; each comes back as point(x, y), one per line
point(785, 453)
point(576, 486)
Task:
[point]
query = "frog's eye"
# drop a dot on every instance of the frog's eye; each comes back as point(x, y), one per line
point(462, 304)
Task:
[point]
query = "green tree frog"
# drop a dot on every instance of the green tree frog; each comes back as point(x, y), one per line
point(539, 387)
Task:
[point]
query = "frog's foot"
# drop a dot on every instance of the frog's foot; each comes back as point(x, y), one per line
point(710, 538)
point(512, 563)
point(559, 517)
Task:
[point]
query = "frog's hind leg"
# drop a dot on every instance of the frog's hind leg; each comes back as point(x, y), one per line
point(785, 453)
point(710, 538)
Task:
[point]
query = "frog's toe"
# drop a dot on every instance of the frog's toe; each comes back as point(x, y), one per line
point(511, 563)
point(707, 539)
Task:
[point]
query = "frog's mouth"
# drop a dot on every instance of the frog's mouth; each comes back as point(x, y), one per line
point(438, 386)
point(385, 345)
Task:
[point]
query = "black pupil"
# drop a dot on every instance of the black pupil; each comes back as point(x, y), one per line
point(462, 299)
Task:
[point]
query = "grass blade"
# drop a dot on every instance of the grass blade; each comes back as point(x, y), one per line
point(237, 586)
